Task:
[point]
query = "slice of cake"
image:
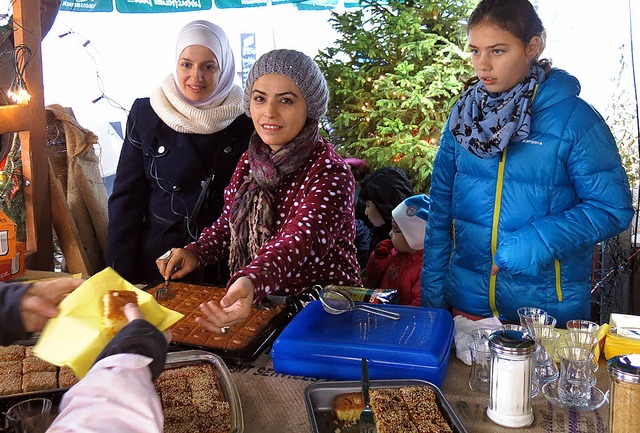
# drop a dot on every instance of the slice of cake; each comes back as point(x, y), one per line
point(113, 303)
point(348, 406)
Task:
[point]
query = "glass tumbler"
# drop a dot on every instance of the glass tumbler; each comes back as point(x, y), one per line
point(480, 360)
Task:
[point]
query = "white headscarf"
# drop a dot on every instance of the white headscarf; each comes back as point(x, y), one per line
point(213, 37)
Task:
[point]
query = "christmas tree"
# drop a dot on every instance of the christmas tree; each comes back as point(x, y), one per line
point(394, 76)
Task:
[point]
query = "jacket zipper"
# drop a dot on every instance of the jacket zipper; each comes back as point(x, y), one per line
point(558, 284)
point(453, 233)
point(494, 230)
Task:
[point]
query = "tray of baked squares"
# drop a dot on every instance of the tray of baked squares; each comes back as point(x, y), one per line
point(196, 390)
point(24, 376)
point(399, 405)
point(245, 341)
point(198, 394)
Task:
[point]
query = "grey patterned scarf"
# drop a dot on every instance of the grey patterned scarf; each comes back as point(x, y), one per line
point(484, 122)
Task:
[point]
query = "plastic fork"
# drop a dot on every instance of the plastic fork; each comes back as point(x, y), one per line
point(367, 423)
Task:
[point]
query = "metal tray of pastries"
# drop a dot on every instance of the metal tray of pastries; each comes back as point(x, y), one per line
point(198, 394)
point(196, 390)
point(22, 374)
point(244, 342)
point(399, 405)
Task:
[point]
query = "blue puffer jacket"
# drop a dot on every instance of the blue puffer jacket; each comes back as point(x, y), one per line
point(538, 209)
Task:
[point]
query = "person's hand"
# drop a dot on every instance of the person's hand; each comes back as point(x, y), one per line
point(383, 250)
point(494, 269)
point(176, 263)
point(234, 307)
point(133, 312)
point(40, 302)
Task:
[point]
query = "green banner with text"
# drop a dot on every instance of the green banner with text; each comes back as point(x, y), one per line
point(86, 5)
point(161, 6)
point(229, 4)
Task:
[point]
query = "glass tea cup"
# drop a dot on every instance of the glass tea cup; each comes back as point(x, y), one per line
point(545, 369)
point(525, 311)
point(584, 340)
point(30, 416)
point(480, 374)
point(576, 376)
point(583, 326)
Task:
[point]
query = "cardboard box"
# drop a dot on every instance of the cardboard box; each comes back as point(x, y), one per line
point(10, 268)
point(8, 231)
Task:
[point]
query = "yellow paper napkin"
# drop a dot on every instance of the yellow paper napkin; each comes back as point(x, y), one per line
point(77, 336)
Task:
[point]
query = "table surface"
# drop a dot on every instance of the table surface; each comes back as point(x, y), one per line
point(275, 403)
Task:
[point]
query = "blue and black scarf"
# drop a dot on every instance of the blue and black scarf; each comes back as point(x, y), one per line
point(484, 122)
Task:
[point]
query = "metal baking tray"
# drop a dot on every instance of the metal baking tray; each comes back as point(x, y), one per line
point(191, 357)
point(263, 338)
point(174, 359)
point(319, 401)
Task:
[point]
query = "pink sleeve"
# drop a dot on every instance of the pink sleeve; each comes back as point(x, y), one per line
point(117, 395)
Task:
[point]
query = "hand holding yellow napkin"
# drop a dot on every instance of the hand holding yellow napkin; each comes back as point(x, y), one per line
point(77, 336)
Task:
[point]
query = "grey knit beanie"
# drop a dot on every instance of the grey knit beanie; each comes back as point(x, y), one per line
point(301, 69)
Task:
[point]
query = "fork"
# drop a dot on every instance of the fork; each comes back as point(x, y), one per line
point(367, 423)
point(161, 292)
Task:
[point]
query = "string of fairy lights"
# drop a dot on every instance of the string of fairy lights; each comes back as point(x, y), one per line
point(93, 54)
point(22, 55)
point(20, 58)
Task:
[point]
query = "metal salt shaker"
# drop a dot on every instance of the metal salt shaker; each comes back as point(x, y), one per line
point(511, 374)
point(624, 396)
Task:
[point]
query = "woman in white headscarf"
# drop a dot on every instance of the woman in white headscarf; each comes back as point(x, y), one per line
point(180, 149)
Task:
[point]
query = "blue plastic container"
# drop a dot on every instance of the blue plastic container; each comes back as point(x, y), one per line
point(318, 344)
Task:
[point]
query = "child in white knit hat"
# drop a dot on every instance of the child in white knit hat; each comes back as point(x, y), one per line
point(396, 263)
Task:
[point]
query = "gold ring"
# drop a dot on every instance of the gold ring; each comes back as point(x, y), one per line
point(225, 329)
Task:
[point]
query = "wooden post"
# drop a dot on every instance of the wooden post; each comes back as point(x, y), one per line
point(35, 161)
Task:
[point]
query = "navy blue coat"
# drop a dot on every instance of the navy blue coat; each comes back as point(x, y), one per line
point(158, 181)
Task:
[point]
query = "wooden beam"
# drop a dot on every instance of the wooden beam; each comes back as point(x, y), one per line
point(14, 118)
point(35, 161)
point(68, 237)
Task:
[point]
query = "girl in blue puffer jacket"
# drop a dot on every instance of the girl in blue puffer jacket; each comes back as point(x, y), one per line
point(526, 181)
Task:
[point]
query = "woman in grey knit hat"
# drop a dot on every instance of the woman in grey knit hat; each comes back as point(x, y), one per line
point(288, 220)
